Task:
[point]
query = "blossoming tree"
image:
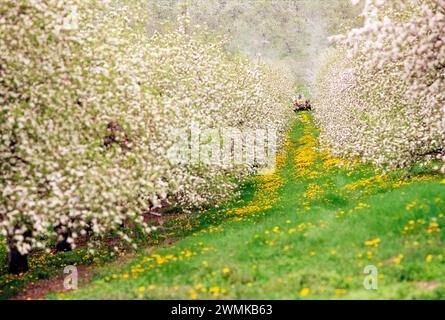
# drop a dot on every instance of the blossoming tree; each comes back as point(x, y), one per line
point(381, 93)
point(89, 102)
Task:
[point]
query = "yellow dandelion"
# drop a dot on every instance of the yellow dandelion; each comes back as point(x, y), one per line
point(193, 295)
point(304, 292)
point(340, 292)
point(398, 259)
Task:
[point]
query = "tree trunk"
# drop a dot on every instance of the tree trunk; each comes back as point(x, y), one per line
point(17, 262)
point(64, 245)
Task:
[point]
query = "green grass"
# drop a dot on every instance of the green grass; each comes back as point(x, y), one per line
point(259, 256)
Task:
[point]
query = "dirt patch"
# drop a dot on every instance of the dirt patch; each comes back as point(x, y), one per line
point(428, 285)
point(39, 289)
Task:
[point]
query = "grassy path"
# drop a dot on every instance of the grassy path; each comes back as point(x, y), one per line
point(305, 232)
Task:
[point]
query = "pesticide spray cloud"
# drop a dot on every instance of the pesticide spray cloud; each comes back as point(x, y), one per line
point(286, 34)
